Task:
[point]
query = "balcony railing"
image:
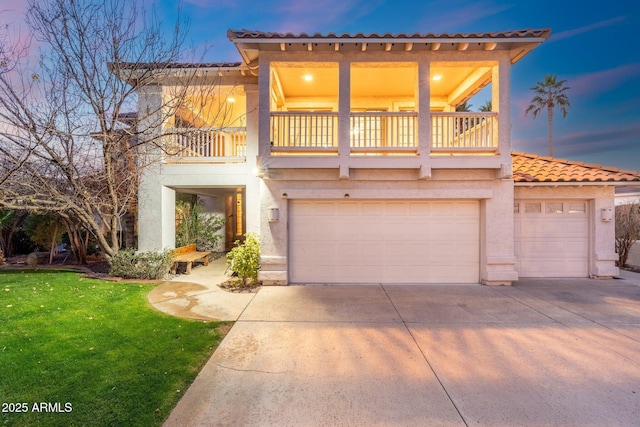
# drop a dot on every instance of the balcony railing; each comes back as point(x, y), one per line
point(464, 132)
point(383, 132)
point(300, 132)
point(206, 142)
point(304, 131)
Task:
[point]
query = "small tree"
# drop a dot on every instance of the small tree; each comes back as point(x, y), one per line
point(627, 230)
point(244, 259)
point(45, 230)
point(5, 217)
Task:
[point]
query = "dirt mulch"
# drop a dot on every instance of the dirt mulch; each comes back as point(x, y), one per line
point(235, 285)
point(96, 265)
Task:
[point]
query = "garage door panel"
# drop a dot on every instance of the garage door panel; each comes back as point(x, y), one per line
point(387, 242)
point(419, 209)
point(552, 240)
point(348, 209)
point(395, 209)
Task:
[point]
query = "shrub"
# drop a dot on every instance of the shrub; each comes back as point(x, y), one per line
point(193, 225)
point(142, 265)
point(244, 259)
point(627, 230)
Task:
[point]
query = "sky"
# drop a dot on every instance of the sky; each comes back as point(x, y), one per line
point(592, 47)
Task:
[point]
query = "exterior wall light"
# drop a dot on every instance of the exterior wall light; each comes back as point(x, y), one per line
point(606, 214)
point(273, 214)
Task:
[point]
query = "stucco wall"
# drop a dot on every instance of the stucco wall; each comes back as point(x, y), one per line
point(497, 260)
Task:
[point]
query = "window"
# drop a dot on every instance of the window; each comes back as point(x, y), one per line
point(554, 208)
point(516, 208)
point(533, 208)
point(574, 208)
point(239, 215)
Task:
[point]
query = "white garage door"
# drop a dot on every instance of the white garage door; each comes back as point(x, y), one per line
point(552, 238)
point(384, 241)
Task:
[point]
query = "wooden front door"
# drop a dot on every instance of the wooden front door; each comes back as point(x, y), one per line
point(236, 218)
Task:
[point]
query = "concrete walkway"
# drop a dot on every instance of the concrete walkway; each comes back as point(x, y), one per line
point(198, 296)
point(543, 352)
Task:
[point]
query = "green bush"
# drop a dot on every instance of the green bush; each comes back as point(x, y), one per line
point(142, 265)
point(193, 225)
point(244, 259)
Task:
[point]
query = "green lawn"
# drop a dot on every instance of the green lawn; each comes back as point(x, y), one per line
point(80, 351)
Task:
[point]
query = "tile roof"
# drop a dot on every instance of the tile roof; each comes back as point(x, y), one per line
point(170, 65)
point(515, 34)
point(533, 168)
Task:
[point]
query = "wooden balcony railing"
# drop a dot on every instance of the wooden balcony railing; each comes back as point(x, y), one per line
point(298, 132)
point(304, 131)
point(464, 132)
point(383, 132)
point(206, 142)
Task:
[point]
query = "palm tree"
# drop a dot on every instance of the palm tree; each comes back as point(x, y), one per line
point(486, 108)
point(464, 107)
point(549, 94)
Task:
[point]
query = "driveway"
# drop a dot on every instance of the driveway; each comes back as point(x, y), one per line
point(542, 352)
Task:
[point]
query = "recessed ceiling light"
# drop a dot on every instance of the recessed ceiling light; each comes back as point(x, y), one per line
point(437, 77)
point(307, 77)
point(231, 99)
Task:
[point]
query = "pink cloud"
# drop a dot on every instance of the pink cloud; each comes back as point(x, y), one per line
point(593, 84)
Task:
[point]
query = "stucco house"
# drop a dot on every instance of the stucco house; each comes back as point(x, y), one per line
point(345, 154)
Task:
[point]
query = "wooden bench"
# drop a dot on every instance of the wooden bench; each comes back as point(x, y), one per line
point(188, 254)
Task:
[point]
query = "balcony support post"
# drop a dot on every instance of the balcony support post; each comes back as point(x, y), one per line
point(344, 117)
point(424, 118)
point(500, 101)
point(264, 100)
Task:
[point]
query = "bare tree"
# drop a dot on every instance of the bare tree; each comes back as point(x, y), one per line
point(67, 141)
point(627, 230)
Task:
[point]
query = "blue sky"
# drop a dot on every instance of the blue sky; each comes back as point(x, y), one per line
point(592, 46)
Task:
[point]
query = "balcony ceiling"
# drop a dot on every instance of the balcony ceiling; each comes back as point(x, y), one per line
point(458, 81)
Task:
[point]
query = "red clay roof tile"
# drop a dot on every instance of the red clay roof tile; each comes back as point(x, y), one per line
point(515, 34)
point(533, 168)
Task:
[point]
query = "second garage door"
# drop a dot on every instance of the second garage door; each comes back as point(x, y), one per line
point(384, 241)
point(552, 238)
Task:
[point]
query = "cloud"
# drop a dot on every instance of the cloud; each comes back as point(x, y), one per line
point(600, 140)
point(589, 142)
point(570, 33)
point(588, 85)
point(595, 83)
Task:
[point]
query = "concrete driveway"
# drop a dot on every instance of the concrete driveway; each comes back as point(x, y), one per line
point(540, 353)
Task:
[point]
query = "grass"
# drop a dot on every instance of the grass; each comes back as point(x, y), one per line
point(95, 352)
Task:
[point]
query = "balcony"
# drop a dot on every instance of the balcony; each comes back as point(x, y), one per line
point(206, 145)
point(382, 133)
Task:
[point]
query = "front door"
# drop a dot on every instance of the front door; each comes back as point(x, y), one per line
point(236, 218)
